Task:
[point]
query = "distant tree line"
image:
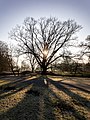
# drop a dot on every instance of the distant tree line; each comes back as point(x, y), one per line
point(71, 68)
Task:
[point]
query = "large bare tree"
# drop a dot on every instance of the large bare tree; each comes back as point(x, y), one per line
point(86, 48)
point(45, 38)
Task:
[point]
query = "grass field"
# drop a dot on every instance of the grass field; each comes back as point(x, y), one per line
point(44, 98)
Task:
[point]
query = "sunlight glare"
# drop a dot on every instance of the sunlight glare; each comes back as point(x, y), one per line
point(45, 52)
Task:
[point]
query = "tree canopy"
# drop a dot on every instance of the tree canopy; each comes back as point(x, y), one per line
point(47, 39)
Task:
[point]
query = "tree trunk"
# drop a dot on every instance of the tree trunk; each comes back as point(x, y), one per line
point(44, 70)
point(12, 70)
point(44, 67)
point(76, 67)
point(32, 68)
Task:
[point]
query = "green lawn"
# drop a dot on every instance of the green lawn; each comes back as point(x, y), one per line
point(31, 98)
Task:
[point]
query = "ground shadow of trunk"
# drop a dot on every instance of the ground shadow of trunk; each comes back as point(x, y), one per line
point(63, 106)
point(37, 103)
point(34, 105)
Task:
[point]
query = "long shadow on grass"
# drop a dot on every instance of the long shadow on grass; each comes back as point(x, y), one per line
point(77, 87)
point(38, 104)
point(18, 84)
point(34, 105)
point(80, 100)
point(67, 111)
point(13, 80)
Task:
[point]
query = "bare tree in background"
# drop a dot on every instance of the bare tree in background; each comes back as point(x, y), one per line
point(6, 60)
point(29, 58)
point(24, 66)
point(45, 38)
point(32, 61)
point(86, 48)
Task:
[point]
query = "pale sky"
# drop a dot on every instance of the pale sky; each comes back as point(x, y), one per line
point(14, 12)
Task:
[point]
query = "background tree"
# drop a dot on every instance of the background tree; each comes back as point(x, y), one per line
point(24, 66)
point(45, 39)
point(6, 62)
point(86, 53)
point(86, 48)
point(32, 61)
